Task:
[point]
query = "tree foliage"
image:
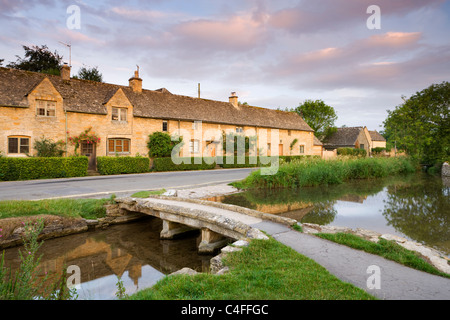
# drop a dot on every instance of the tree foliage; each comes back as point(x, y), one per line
point(92, 74)
point(319, 116)
point(160, 144)
point(421, 125)
point(38, 59)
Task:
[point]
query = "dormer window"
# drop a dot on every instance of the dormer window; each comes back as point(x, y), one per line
point(119, 114)
point(46, 108)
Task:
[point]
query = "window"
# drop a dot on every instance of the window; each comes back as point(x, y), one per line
point(302, 149)
point(194, 146)
point(46, 108)
point(289, 133)
point(119, 114)
point(361, 146)
point(118, 145)
point(165, 126)
point(18, 145)
point(239, 130)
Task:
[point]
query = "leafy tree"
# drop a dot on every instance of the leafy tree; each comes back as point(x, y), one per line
point(1, 62)
point(421, 125)
point(38, 59)
point(92, 74)
point(319, 116)
point(160, 144)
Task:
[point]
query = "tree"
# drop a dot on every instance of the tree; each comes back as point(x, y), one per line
point(160, 144)
point(1, 62)
point(421, 125)
point(318, 115)
point(38, 59)
point(92, 74)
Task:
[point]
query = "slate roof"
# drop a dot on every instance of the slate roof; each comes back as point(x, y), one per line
point(90, 97)
point(376, 136)
point(343, 137)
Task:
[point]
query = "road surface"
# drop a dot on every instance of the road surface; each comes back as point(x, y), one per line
point(121, 185)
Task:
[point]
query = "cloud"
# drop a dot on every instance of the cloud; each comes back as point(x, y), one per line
point(320, 15)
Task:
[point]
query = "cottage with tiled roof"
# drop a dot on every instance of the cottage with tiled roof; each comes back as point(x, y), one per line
point(35, 105)
point(355, 137)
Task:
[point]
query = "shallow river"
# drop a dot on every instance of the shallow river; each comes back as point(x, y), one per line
point(416, 207)
point(130, 251)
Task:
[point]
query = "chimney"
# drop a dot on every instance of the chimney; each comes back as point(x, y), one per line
point(234, 99)
point(136, 82)
point(65, 72)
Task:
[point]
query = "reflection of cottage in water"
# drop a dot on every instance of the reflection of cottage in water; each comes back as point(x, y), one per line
point(122, 249)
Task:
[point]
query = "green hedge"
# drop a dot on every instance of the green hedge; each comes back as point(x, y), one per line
point(120, 165)
point(12, 169)
point(166, 164)
point(351, 152)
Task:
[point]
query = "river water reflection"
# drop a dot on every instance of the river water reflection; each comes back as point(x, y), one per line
point(416, 207)
point(131, 251)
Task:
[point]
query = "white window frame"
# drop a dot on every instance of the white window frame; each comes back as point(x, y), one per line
point(194, 146)
point(46, 108)
point(121, 113)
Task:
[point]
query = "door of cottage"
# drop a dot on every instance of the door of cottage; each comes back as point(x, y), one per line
point(89, 150)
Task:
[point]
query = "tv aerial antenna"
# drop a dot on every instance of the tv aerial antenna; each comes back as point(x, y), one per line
point(70, 51)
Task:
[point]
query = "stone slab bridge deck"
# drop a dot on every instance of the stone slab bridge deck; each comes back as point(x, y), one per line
point(218, 222)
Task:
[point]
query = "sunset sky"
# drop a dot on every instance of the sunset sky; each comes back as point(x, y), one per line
point(272, 53)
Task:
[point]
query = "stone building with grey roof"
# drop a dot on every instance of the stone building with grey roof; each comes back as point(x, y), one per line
point(35, 105)
point(354, 137)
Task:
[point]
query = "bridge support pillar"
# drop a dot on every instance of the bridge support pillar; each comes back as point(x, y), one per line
point(211, 241)
point(172, 229)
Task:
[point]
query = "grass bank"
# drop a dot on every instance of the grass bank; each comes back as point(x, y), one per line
point(266, 270)
point(312, 172)
point(71, 208)
point(386, 249)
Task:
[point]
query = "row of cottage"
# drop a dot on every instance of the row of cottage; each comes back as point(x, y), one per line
point(35, 105)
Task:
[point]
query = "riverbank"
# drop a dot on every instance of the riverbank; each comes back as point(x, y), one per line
point(312, 172)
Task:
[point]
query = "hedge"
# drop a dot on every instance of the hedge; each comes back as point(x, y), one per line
point(351, 152)
point(166, 164)
point(120, 165)
point(12, 169)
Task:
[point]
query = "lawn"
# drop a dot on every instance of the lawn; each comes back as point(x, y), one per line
point(266, 270)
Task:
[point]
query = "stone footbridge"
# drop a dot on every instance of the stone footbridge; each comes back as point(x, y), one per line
point(218, 222)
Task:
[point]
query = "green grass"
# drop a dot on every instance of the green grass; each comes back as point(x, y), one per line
point(386, 249)
point(146, 194)
point(313, 172)
point(74, 208)
point(266, 269)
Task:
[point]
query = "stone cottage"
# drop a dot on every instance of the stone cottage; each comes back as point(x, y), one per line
point(355, 137)
point(35, 105)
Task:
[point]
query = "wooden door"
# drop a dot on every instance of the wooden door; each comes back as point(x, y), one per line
point(280, 151)
point(89, 150)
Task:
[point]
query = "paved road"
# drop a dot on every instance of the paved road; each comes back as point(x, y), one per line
point(121, 185)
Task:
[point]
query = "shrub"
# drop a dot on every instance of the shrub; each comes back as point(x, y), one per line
point(12, 169)
point(160, 144)
point(351, 152)
point(48, 148)
point(120, 165)
point(166, 164)
point(378, 150)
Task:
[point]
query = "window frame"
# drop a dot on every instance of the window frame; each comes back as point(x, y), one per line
point(166, 123)
point(119, 115)
point(302, 149)
point(46, 108)
point(192, 144)
point(19, 144)
point(116, 145)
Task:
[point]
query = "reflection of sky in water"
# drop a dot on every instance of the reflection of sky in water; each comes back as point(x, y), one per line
point(105, 288)
point(366, 215)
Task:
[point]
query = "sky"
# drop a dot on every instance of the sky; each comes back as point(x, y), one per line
point(273, 54)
